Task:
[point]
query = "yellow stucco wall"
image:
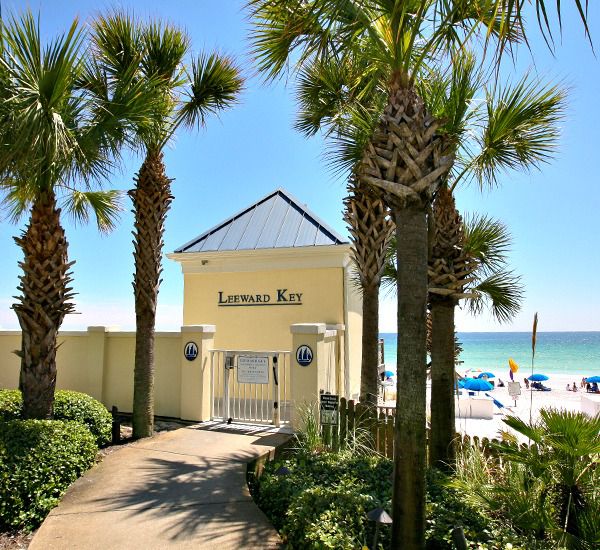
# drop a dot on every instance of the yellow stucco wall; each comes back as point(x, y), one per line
point(101, 363)
point(255, 327)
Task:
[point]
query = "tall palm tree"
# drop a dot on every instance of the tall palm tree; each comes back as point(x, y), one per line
point(406, 157)
point(346, 116)
point(184, 96)
point(371, 229)
point(60, 131)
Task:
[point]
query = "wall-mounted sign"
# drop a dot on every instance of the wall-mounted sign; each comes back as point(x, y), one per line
point(190, 351)
point(281, 297)
point(329, 408)
point(304, 355)
point(252, 370)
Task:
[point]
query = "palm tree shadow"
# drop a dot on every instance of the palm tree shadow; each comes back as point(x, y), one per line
point(188, 495)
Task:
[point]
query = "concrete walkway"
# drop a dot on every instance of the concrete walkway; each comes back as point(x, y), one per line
point(181, 489)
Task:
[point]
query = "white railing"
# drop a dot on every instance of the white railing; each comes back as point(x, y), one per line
point(256, 403)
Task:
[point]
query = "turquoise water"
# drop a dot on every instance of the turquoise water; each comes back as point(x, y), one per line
point(577, 352)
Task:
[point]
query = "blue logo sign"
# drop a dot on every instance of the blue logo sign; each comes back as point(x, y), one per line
point(304, 355)
point(190, 351)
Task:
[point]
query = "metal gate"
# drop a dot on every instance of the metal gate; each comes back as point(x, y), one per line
point(251, 386)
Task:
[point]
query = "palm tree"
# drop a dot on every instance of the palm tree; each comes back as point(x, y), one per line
point(183, 97)
point(370, 231)
point(346, 117)
point(406, 157)
point(60, 132)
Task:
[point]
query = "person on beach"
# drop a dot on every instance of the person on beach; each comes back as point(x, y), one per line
point(500, 383)
point(583, 382)
point(526, 383)
point(568, 387)
point(574, 386)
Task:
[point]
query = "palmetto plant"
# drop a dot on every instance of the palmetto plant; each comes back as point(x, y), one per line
point(184, 96)
point(561, 468)
point(61, 129)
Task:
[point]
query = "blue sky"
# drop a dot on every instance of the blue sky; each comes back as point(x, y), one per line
point(252, 149)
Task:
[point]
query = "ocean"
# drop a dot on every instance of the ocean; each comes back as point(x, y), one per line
point(555, 352)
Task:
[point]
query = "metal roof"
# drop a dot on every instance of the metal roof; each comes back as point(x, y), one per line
point(276, 221)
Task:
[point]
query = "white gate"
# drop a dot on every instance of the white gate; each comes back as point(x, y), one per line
point(251, 386)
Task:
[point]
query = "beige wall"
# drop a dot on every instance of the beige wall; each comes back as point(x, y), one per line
point(100, 363)
point(254, 327)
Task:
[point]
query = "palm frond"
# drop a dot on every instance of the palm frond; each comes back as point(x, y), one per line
point(522, 129)
point(105, 206)
point(215, 84)
point(487, 240)
point(502, 291)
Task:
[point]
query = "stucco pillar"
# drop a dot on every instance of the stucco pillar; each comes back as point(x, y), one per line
point(195, 373)
point(96, 345)
point(305, 378)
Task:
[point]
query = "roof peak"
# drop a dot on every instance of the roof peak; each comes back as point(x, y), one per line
point(278, 220)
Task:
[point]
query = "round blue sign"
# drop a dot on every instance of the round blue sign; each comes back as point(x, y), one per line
point(190, 351)
point(304, 355)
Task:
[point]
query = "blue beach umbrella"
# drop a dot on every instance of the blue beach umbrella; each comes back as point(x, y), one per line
point(389, 374)
point(487, 375)
point(593, 379)
point(460, 384)
point(538, 378)
point(477, 384)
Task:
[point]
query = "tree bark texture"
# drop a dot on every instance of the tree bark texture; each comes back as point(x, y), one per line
point(151, 200)
point(450, 271)
point(370, 346)
point(44, 301)
point(443, 430)
point(407, 160)
point(408, 498)
point(371, 229)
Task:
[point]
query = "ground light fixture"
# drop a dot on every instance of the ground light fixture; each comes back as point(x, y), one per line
point(380, 517)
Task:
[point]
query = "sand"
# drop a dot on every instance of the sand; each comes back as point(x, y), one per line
point(559, 397)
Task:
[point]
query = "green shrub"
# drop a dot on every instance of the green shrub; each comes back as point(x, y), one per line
point(39, 459)
point(321, 501)
point(80, 407)
point(11, 405)
point(68, 405)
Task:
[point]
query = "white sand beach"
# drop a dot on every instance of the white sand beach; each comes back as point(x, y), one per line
point(558, 397)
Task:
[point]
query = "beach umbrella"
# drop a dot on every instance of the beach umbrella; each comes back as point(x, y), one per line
point(538, 377)
point(460, 384)
point(389, 374)
point(487, 375)
point(593, 379)
point(477, 384)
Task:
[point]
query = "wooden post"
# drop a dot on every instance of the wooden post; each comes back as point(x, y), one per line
point(343, 422)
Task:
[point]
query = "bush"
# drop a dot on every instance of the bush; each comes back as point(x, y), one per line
point(39, 459)
point(321, 501)
point(68, 405)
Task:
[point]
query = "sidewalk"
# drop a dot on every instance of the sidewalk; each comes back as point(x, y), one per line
point(181, 489)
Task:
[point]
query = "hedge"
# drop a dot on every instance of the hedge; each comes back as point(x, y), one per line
point(39, 459)
point(68, 405)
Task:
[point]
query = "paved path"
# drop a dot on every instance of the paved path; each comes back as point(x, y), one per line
point(181, 489)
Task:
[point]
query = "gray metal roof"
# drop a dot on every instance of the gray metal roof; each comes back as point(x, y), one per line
point(276, 221)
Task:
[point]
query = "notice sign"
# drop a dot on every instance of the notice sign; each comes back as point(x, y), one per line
point(329, 408)
point(252, 370)
point(514, 389)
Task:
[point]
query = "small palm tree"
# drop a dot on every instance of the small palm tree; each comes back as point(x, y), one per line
point(561, 468)
point(60, 132)
point(183, 96)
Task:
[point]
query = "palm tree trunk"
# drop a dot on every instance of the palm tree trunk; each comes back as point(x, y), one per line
point(370, 345)
point(151, 199)
point(43, 304)
point(443, 431)
point(408, 500)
